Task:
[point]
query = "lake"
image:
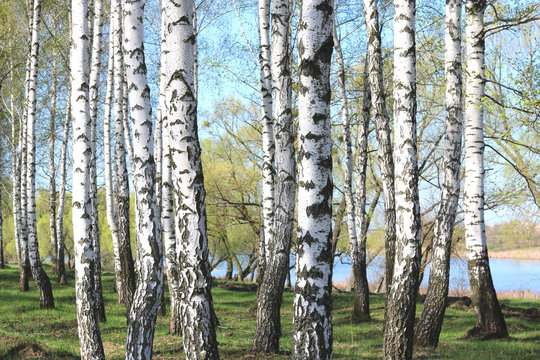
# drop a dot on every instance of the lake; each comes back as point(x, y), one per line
point(508, 274)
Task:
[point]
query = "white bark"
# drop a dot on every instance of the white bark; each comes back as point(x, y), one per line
point(89, 334)
point(268, 171)
point(384, 137)
point(167, 203)
point(95, 69)
point(142, 317)
point(313, 303)
point(278, 239)
point(489, 318)
point(62, 196)
point(196, 309)
point(109, 189)
point(429, 326)
point(41, 278)
point(401, 303)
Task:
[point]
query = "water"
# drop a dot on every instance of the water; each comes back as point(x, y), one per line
point(508, 274)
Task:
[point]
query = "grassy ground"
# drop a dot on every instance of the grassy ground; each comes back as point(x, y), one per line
point(29, 333)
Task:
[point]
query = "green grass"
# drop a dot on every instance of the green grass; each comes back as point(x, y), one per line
point(26, 332)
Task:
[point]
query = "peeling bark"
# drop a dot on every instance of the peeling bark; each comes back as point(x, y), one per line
point(89, 334)
point(38, 273)
point(313, 292)
point(401, 301)
point(278, 239)
point(384, 136)
point(143, 313)
point(194, 281)
point(431, 320)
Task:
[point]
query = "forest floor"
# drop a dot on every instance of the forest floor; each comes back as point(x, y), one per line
point(26, 332)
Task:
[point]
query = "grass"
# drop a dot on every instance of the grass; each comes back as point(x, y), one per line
point(26, 332)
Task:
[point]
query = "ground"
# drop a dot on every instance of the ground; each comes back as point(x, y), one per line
point(29, 333)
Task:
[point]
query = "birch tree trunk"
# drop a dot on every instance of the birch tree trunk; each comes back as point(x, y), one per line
point(267, 122)
point(16, 199)
point(384, 136)
point(41, 278)
point(89, 334)
point(95, 69)
point(127, 281)
point(52, 171)
point(167, 203)
point(196, 308)
point(489, 319)
point(313, 302)
point(107, 149)
point(277, 240)
point(142, 317)
point(431, 320)
point(401, 302)
point(62, 198)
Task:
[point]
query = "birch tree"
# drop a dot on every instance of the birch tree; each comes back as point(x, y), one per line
point(52, 171)
point(167, 203)
point(117, 180)
point(95, 69)
point(489, 318)
point(355, 201)
point(313, 302)
point(62, 197)
point(278, 240)
point(431, 320)
point(38, 273)
point(89, 334)
point(143, 313)
point(401, 302)
point(194, 281)
point(384, 136)
point(267, 122)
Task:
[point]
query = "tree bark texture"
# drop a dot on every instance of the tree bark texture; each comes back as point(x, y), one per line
point(143, 313)
point(313, 292)
point(401, 301)
point(38, 273)
point(278, 242)
point(89, 334)
point(431, 320)
point(489, 318)
point(194, 280)
point(384, 136)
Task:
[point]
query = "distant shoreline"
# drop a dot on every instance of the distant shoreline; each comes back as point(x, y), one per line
point(530, 253)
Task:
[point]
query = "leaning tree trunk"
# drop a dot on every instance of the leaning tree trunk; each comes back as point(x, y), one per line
point(167, 203)
point(95, 69)
point(278, 242)
point(267, 121)
point(39, 274)
point(355, 205)
point(89, 334)
point(401, 303)
point(384, 137)
point(62, 198)
point(489, 319)
point(194, 281)
point(313, 294)
point(431, 320)
point(127, 281)
point(143, 313)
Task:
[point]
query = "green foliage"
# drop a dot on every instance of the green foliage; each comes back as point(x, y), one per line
point(52, 334)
